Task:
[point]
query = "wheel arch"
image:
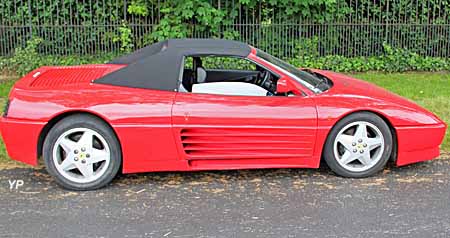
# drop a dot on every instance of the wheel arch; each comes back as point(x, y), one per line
point(58, 117)
point(393, 157)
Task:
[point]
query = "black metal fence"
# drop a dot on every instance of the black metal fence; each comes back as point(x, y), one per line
point(90, 27)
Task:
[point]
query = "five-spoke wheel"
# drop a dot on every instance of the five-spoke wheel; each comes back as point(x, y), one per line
point(82, 152)
point(358, 145)
point(81, 155)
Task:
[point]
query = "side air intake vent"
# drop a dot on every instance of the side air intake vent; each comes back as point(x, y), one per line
point(229, 143)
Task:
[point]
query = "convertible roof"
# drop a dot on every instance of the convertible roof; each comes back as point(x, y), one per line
point(159, 65)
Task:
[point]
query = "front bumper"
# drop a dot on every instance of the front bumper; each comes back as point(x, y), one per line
point(419, 143)
point(21, 139)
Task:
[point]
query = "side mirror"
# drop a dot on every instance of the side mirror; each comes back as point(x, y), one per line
point(283, 86)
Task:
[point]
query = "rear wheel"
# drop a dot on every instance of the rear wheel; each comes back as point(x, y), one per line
point(358, 146)
point(82, 152)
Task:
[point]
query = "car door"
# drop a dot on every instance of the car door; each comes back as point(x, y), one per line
point(244, 131)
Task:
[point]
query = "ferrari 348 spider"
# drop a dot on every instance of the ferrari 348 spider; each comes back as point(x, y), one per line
point(178, 105)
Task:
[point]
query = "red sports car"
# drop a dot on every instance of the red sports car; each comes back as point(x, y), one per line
point(180, 105)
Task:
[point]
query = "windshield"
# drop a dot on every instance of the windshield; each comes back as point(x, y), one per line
point(309, 80)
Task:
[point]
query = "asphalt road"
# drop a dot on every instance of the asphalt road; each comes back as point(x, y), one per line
point(412, 201)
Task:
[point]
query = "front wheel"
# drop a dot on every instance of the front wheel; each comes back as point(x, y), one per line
point(358, 146)
point(82, 152)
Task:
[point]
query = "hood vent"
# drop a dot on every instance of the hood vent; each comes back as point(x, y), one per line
point(61, 76)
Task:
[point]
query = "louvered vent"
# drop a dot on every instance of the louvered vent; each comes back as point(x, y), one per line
point(214, 143)
point(67, 76)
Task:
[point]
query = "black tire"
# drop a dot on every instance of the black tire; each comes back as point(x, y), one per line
point(95, 124)
point(328, 150)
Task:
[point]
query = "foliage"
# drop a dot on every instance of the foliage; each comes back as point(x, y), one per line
point(90, 26)
point(320, 11)
point(125, 38)
point(181, 17)
point(222, 62)
point(26, 59)
point(392, 60)
point(138, 8)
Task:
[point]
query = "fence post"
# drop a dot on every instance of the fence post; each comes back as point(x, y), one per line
point(125, 10)
point(30, 22)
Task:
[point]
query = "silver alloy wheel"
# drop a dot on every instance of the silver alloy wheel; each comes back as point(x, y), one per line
point(358, 146)
point(81, 155)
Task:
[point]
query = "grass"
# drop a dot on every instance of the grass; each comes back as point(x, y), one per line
point(430, 90)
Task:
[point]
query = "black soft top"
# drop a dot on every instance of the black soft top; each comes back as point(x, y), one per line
point(159, 66)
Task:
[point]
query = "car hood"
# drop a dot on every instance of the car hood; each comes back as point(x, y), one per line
point(346, 86)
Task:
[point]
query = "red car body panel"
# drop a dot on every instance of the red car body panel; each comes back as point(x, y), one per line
point(418, 132)
point(171, 131)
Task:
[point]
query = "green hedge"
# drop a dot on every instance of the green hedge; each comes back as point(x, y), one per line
point(86, 27)
point(26, 59)
point(394, 60)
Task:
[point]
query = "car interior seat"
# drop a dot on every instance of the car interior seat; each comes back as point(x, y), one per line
point(201, 75)
point(200, 72)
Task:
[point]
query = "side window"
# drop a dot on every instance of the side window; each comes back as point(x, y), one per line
point(226, 76)
point(227, 63)
point(188, 62)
